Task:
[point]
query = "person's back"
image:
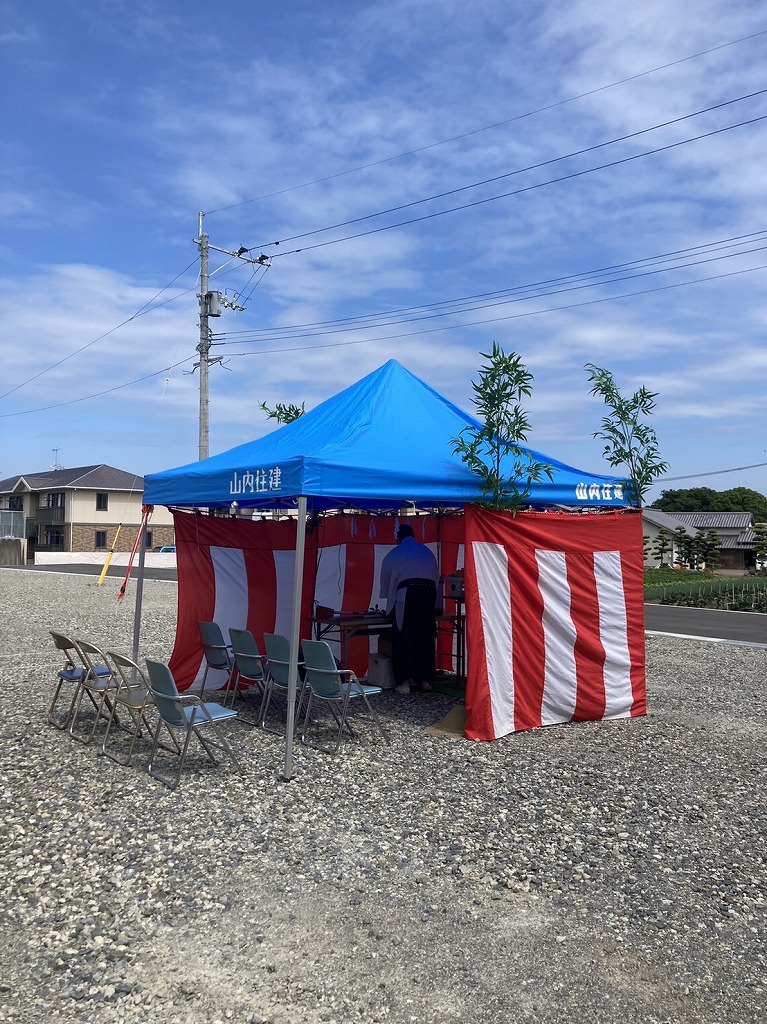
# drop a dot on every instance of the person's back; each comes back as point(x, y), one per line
point(409, 578)
point(409, 560)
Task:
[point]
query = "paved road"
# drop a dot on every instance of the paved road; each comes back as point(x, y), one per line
point(739, 627)
point(742, 627)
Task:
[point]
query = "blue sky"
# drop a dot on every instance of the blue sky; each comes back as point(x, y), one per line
point(601, 238)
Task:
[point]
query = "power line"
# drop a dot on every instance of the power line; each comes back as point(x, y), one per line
point(489, 127)
point(714, 472)
point(411, 334)
point(352, 323)
point(142, 311)
point(98, 394)
point(517, 171)
point(528, 188)
point(501, 319)
point(395, 337)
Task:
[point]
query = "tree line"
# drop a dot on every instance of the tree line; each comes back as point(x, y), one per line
point(705, 499)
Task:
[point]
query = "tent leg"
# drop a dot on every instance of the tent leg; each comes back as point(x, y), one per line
point(295, 629)
point(139, 589)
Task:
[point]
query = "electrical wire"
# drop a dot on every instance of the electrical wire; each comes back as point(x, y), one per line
point(364, 341)
point(522, 170)
point(527, 294)
point(142, 311)
point(501, 319)
point(98, 394)
point(714, 472)
point(489, 127)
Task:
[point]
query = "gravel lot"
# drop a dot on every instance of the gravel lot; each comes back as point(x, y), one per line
point(597, 872)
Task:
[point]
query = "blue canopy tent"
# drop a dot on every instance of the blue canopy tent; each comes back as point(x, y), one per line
point(382, 444)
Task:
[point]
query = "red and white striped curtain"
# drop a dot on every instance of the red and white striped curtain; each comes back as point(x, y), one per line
point(239, 573)
point(554, 619)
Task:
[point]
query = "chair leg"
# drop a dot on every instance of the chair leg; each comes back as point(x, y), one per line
point(99, 705)
point(374, 716)
point(181, 758)
point(220, 743)
point(340, 720)
point(62, 723)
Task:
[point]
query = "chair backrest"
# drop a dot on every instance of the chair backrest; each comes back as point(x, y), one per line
point(277, 650)
point(246, 654)
point(94, 659)
point(322, 673)
point(65, 645)
point(165, 692)
point(133, 683)
point(213, 646)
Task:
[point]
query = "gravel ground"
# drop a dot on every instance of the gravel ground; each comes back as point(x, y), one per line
point(596, 872)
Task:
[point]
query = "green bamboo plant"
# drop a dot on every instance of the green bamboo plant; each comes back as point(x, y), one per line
point(486, 450)
point(629, 441)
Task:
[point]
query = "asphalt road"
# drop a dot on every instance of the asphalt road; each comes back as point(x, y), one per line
point(737, 627)
point(741, 627)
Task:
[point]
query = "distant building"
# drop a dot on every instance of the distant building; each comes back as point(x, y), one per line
point(81, 509)
point(653, 522)
point(735, 531)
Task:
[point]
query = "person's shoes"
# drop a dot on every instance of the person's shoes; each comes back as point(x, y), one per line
point(425, 687)
point(403, 688)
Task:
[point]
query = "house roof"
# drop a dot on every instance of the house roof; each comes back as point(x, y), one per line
point(717, 520)
point(97, 478)
point(664, 521)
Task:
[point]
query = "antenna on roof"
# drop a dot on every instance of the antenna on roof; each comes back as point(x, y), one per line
point(56, 463)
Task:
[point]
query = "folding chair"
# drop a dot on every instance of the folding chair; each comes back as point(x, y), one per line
point(71, 673)
point(98, 682)
point(217, 654)
point(325, 681)
point(133, 696)
point(248, 663)
point(188, 713)
point(277, 650)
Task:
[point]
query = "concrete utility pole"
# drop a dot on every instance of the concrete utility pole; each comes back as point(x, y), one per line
point(204, 346)
point(211, 303)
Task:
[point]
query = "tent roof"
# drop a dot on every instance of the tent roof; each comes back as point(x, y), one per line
point(383, 443)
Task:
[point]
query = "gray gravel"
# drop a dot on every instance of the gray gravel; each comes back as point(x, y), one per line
point(597, 872)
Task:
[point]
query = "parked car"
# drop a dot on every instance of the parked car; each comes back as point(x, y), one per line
point(166, 549)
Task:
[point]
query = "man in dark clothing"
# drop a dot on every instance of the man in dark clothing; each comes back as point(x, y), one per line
point(409, 578)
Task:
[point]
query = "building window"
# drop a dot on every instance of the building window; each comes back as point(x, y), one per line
point(16, 503)
point(55, 499)
point(101, 538)
point(149, 540)
point(54, 539)
point(102, 502)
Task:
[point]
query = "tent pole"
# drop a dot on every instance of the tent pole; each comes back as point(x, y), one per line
point(139, 587)
point(295, 628)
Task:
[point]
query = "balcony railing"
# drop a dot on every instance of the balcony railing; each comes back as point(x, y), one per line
point(49, 516)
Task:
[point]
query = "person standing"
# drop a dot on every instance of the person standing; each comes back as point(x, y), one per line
point(409, 578)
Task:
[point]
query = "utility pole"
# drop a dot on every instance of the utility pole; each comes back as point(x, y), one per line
point(210, 306)
point(204, 346)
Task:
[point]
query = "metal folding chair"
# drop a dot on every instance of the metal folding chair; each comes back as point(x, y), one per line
point(98, 682)
point(217, 654)
point(134, 697)
point(70, 674)
point(187, 713)
point(337, 687)
point(248, 661)
point(277, 651)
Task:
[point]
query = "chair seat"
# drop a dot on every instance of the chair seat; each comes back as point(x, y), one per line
point(187, 712)
point(356, 690)
point(71, 675)
point(196, 716)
